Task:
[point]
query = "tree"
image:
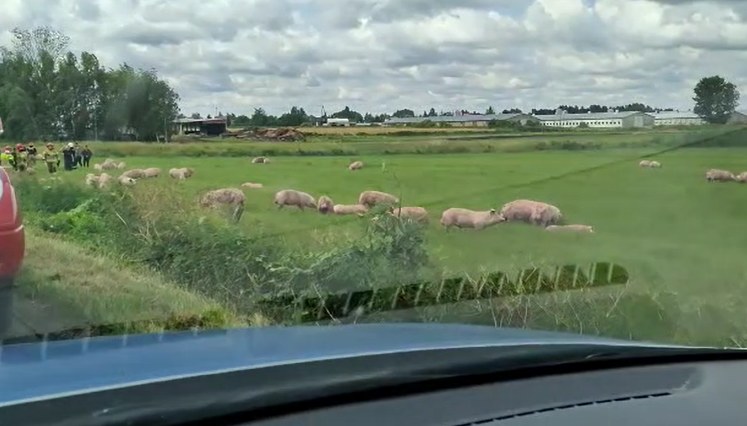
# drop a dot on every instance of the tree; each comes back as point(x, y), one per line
point(715, 99)
point(490, 111)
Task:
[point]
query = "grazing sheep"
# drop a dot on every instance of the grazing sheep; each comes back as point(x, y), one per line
point(655, 165)
point(571, 228)
point(126, 180)
point(98, 167)
point(465, 218)
point(181, 174)
point(372, 198)
point(533, 212)
point(291, 197)
point(92, 180)
point(346, 209)
point(645, 163)
point(418, 214)
point(225, 197)
point(260, 160)
point(104, 180)
point(152, 172)
point(120, 165)
point(716, 175)
point(742, 177)
point(134, 173)
point(252, 185)
point(355, 165)
point(325, 205)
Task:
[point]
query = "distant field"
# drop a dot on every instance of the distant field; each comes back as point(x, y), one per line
point(373, 144)
point(671, 229)
point(379, 130)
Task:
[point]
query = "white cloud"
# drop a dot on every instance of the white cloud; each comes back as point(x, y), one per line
point(381, 55)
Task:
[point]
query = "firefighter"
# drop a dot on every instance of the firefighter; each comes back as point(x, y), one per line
point(51, 157)
point(31, 149)
point(21, 158)
point(6, 157)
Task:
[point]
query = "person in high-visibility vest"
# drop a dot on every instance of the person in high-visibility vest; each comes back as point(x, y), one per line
point(6, 157)
point(51, 157)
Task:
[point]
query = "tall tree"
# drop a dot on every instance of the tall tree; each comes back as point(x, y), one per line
point(715, 99)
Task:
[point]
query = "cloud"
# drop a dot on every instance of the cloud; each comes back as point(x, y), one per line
point(382, 55)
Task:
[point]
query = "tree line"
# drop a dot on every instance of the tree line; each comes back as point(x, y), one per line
point(49, 93)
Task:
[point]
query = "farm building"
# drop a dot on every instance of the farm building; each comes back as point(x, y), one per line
point(677, 118)
point(738, 117)
point(626, 119)
point(334, 122)
point(202, 126)
point(466, 120)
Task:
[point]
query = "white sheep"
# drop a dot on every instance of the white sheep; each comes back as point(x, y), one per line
point(355, 165)
point(530, 211)
point(570, 228)
point(181, 173)
point(373, 198)
point(716, 175)
point(225, 197)
point(291, 197)
point(152, 172)
point(465, 218)
point(349, 209)
point(418, 214)
point(252, 185)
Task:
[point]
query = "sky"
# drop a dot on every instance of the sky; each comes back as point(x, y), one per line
point(383, 55)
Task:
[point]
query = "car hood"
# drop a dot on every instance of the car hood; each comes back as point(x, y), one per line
point(30, 371)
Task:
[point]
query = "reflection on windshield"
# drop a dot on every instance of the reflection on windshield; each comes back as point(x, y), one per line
point(243, 174)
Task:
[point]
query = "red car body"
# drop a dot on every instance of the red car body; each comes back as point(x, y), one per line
point(12, 239)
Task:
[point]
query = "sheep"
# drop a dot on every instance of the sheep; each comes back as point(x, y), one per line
point(260, 160)
point(355, 165)
point(134, 173)
point(716, 175)
point(465, 218)
point(152, 172)
point(181, 174)
point(291, 197)
point(572, 228)
point(533, 212)
point(225, 196)
point(346, 209)
point(110, 164)
point(418, 214)
point(92, 179)
point(252, 185)
point(98, 167)
point(325, 205)
point(742, 177)
point(655, 165)
point(120, 165)
point(126, 180)
point(372, 198)
point(104, 180)
point(645, 163)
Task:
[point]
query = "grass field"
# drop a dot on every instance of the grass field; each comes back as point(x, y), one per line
point(674, 232)
point(668, 226)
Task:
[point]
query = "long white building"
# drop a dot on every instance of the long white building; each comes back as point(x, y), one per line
point(596, 120)
point(677, 118)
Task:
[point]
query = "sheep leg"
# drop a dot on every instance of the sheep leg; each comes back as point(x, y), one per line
point(237, 212)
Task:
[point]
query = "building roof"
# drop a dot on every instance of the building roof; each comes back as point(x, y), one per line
point(675, 114)
point(215, 120)
point(588, 116)
point(453, 118)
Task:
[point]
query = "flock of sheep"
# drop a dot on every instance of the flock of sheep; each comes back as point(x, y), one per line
point(712, 175)
point(533, 212)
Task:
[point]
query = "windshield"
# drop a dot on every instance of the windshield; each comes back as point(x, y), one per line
point(574, 166)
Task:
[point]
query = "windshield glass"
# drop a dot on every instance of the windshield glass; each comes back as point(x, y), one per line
point(572, 166)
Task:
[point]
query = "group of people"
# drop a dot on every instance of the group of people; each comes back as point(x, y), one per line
point(25, 156)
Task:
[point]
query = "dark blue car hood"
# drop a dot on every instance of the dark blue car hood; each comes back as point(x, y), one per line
point(38, 370)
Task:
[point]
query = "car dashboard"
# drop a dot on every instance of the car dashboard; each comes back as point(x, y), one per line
point(676, 394)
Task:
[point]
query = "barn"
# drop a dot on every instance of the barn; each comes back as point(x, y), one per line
point(596, 120)
point(464, 120)
point(677, 118)
point(201, 126)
